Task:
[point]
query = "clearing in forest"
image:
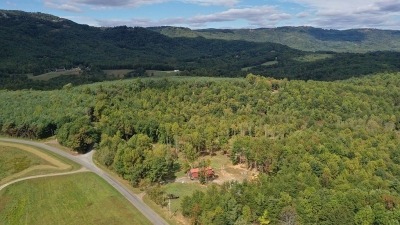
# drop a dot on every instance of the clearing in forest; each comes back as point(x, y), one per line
point(117, 73)
point(54, 74)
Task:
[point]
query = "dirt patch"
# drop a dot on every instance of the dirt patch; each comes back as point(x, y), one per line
point(233, 173)
point(225, 174)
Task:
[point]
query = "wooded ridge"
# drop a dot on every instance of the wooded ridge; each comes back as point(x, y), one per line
point(36, 43)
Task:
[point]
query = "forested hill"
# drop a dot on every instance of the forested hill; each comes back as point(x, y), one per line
point(302, 38)
point(37, 43)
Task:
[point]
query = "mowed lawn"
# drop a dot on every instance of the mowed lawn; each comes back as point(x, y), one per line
point(182, 190)
point(82, 198)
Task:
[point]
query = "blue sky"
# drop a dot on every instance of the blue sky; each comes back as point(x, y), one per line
point(196, 14)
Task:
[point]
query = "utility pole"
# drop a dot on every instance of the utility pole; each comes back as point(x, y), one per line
point(169, 206)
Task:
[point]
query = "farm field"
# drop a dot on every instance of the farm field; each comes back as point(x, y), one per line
point(51, 75)
point(82, 198)
point(160, 73)
point(313, 57)
point(269, 63)
point(117, 73)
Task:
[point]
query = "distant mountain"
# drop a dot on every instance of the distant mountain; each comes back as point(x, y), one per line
point(36, 43)
point(302, 38)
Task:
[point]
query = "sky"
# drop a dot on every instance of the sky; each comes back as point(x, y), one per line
point(199, 14)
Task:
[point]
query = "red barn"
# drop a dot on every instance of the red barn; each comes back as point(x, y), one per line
point(195, 172)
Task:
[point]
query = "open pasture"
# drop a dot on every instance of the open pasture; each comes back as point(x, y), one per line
point(117, 73)
point(54, 74)
point(82, 198)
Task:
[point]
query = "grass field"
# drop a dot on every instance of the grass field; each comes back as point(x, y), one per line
point(19, 161)
point(14, 160)
point(313, 57)
point(73, 199)
point(159, 73)
point(181, 190)
point(51, 75)
point(117, 73)
point(269, 63)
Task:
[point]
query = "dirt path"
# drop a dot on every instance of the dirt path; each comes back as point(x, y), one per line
point(83, 169)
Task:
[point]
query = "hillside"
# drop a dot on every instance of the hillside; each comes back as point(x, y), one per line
point(301, 38)
point(327, 152)
point(36, 43)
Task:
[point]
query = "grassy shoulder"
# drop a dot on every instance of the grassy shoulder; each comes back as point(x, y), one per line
point(82, 198)
point(117, 177)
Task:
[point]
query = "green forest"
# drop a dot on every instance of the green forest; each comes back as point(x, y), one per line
point(319, 122)
point(303, 38)
point(36, 43)
point(327, 152)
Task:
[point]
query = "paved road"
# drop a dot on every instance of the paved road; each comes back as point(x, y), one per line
point(87, 162)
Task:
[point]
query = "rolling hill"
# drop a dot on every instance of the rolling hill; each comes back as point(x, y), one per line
point(37, 43)
point(301, 38)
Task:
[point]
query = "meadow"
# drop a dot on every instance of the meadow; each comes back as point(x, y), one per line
point(117, 73)
point(54, 74)
point(313, 57)
point(14, 160)
point(82, 198)
point(19, 161)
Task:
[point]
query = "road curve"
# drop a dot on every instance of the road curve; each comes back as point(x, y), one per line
point(86, 161)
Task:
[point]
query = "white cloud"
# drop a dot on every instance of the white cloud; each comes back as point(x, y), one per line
point(62, 6)
point(341, 14)
point(83, 20)
point(77, 5)
point(259, 16)
point(213, 2)
point(352, 13)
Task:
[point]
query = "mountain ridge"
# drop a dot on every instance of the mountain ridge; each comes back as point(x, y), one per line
point(37, 43)
point(303, 38)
